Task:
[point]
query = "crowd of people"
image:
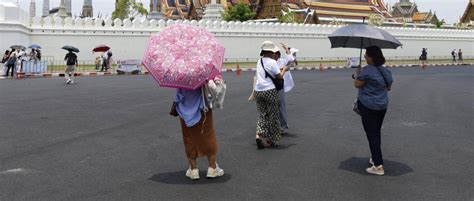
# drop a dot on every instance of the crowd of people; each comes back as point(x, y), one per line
point(13, 60)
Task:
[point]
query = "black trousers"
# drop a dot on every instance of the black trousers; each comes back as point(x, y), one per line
point(12, 66)
point(372, 121)
point(104, 65)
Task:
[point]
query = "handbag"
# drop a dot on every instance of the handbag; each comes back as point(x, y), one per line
point(355, 107)
point(173, 111)
point(213, 93)
point(279, 83)
point(253, 95)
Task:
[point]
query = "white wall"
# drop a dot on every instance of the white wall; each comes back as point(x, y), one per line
point(241, 40)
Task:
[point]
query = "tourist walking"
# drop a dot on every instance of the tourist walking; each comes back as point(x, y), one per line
point(11, 62)
point(198, 131)
point(424, 55)
point(454, 54)
point(460, 59)
point(268, 82)
point(373, 81)
point(283, 62)
point(71, 64)
point(4, 62)
point(105, 59)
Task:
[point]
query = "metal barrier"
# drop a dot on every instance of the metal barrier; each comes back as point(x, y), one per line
point(58, 66)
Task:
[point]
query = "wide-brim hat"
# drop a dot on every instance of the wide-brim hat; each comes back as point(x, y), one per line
point(269, 46)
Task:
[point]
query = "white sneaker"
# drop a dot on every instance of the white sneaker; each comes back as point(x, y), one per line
point(192, 173)
point(68, 81)
point(72, 82)
point(214, 172)
point(376, 170)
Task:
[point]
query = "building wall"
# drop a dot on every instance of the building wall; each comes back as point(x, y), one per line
point(241, 40)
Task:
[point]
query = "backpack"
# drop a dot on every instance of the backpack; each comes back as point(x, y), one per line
point(71, 59)
point(213, 94)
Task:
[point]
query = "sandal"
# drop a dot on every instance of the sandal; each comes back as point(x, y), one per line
point(260, 144)
point(271, 144)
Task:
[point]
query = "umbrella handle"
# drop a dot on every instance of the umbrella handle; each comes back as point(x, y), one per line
point(361, 46)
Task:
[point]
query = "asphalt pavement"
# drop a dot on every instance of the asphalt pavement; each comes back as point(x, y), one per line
point(111, 138)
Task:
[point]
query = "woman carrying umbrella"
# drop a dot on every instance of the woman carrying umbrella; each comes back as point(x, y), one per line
point(268, 124)
point(373, 81)
point(186, 57)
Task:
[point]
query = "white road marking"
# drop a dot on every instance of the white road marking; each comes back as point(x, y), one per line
point(13, 171)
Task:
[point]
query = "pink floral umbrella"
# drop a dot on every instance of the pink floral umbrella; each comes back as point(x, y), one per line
point(183, 56)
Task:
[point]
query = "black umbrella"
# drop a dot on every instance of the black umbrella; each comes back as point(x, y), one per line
point(70, 48)
point(362, 36)
point(21, 47)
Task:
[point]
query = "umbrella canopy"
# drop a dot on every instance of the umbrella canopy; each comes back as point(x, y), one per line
point(101, 48)
point(183, 56)
point(362, 36)
point(70, 48)
point(34, 46)
point(21, 47)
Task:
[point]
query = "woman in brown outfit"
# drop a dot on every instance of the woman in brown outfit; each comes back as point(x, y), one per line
point(198, 131)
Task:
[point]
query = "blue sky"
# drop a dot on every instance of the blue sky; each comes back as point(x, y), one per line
point(450, 10)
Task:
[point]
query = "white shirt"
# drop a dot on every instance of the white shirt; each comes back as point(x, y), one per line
point(282, 62)
point(262, 83)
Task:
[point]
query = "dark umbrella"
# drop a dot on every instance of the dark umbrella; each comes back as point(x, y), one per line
point(21, 47)
point(34, 46)
point(362, 36)
point(101, 48)
point(70, 48)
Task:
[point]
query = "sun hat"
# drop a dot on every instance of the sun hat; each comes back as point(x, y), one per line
point(269, 46)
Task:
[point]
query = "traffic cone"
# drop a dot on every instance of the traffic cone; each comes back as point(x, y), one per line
point(238, 70)
point(321, 67)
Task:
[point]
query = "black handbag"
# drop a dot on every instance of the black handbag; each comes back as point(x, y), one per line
point(279, 83)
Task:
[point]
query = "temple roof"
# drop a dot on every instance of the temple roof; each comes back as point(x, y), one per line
point(468, 13)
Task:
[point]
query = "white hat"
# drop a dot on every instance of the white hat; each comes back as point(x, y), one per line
point(269, 46)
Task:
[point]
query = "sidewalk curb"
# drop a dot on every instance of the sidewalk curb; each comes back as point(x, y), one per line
point(97, 74)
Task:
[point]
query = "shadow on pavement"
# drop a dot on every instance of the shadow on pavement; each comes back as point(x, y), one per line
point(289, 135)
point(358, 165)
point(278, 147)
point(180, 178)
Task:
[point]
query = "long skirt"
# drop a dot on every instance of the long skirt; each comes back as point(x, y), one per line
point(268, 124)
point(200, 139)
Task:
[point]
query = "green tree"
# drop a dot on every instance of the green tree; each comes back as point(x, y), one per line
point(439, 24)
point(128, 9)
point(290, 17)
point(240, 12)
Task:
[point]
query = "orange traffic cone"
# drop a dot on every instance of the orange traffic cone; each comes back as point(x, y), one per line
point(238, 70)
point(321, 67)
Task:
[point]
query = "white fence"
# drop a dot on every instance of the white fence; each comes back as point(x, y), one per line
point(241, 40)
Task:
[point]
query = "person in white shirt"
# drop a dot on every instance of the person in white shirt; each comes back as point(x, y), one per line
point(105, 58)
point(284, 61)
point(267, 99)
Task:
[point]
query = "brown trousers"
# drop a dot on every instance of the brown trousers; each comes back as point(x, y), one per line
point(200, 140)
